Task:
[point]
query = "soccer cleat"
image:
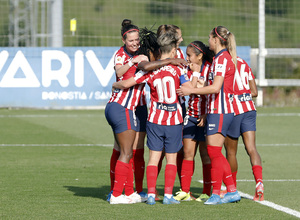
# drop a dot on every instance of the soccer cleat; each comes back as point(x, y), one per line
point(259, 192)
point(143, 196)
point(231, 197)
point(157, 197)
point(134, 198)
point(223, 193)
point(169, 201)
point(118, 200)
point(202, 198)
point(150, 200)
point(183, 196)
point(108, 196)
point(213, 200)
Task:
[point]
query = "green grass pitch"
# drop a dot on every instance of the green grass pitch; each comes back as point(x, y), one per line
point(54, 164)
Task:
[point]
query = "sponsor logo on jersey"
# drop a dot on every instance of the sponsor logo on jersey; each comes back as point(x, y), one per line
point(245, 97)
point(167, 107)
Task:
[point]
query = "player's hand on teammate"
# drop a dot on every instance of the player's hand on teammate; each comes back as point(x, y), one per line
point(201, 121)
point(201, 83)
point(195, 67)
point(140, 58)
point(178, 62)
point(185, 89)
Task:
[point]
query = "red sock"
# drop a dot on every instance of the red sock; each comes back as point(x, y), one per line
point(139, 168)
point(234, 177)
point(129, 182)
point(187, 172)
point(227, 176)
point(206, 170)
point(160, 164)
point(216, 158)
point(113, 161)
point(170, 176)
point(179, 165)
point(257, 172)
point(151, 174)
point(121, 173)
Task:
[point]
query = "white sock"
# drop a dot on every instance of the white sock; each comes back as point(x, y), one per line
point(151, 194)
point(168, 196)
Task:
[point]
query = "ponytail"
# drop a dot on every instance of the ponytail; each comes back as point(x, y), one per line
point(227, 39)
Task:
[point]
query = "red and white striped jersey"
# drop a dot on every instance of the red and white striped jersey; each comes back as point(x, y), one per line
point(165, 108)
point(133, 96)
point(197, 104)
point(179, 54)
point(221, 103)
point(242, 94)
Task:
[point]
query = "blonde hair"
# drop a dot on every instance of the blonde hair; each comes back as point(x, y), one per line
point(168, 28)
point(227, 39)
point(167, 42)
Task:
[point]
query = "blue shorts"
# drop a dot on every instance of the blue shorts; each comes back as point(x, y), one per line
point(141, 113)
point(242, 123)
point(218, 123)
point(119, 118)
point(191, 130)
point(168, 137)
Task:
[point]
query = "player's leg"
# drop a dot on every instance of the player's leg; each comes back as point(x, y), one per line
point(155, 145)
point(249, 141)
point(113, 161)
point(231, 145)
point(187, 169)
point(151, 174)
point(248, 134)
point(206, 172)
point(217, 127)
point(172, 144)
point(138, 148)
point(138, 160)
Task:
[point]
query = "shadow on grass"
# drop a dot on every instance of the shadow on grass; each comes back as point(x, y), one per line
point(94, 192)
point(102, 192)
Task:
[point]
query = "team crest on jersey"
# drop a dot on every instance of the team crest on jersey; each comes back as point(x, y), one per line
point(186, 77)
point(119, 59)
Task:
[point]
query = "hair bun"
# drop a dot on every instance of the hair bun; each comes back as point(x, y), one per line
point(126, 22)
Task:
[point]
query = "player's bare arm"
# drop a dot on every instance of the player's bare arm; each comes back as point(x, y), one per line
point(211, 89)
point(124, 84)
point(148, 66)
point(122, 69)
point(253, 88)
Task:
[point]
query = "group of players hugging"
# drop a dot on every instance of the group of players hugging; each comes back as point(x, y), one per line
point(219, 85)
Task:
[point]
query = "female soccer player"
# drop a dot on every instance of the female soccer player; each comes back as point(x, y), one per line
point(123, 104)
point(220, 111)
point(164, 125)
point(199, 58)
point(173, 29)
point(244, 123)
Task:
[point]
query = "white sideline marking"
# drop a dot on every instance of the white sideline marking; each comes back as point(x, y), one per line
point(272, 205)
point(101, 115)
point(278, 114)
point(51, 116)
point(266, 203)
point(111, 145)
point(56, 145)
point(276, 145)
point(283, 180)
